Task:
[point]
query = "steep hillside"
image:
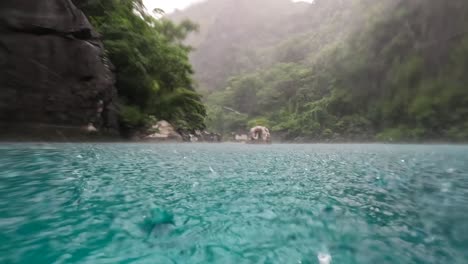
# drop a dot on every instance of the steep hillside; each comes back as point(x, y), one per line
point(344, 70)
point(231, 32)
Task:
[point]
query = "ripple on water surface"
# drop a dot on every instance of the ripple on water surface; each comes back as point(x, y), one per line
point(226, 203)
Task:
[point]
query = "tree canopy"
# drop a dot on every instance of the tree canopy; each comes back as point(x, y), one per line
point(153, 71)
point(391, 70)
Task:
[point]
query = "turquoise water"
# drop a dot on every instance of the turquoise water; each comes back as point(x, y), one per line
point(226, 203)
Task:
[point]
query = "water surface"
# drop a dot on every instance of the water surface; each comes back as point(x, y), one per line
point(227, 203)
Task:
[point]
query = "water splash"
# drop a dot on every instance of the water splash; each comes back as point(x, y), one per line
point(324, 258)
point(212, 171)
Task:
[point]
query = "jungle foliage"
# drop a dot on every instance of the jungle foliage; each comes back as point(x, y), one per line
point(153, 71)
point(389, 70)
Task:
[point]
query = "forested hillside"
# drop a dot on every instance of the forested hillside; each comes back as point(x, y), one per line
point(392, 70)
point(233, 35)
point(152, 68)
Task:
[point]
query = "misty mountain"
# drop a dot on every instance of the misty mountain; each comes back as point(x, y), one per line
point(231, 32)
point(335, 69)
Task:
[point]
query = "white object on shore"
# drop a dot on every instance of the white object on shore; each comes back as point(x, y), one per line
point(91, 128)
point(164, 131)
point(324, 258)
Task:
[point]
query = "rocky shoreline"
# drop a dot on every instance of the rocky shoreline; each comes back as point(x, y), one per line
point(160, 132)
point(30, 132)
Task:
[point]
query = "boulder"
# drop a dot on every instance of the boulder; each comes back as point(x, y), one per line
point(260, 134)
point(199, 136)
point(241, 137)
point(205, 136)
point(52, 68)
point(163, 131)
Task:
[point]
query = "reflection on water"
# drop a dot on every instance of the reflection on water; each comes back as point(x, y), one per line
point(226, 203)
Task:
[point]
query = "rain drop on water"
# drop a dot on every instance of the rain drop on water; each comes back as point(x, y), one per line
point(324, 258)
point(451, 170)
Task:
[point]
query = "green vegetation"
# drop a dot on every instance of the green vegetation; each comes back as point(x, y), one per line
point(390, 70)
point(153, 72)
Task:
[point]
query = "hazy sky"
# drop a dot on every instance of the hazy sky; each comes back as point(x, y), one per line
point(170, 5)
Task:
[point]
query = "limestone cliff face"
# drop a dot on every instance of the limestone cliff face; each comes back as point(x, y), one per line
point(52, 68)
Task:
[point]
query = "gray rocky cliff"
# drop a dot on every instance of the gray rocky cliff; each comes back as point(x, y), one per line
point(53, 72)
